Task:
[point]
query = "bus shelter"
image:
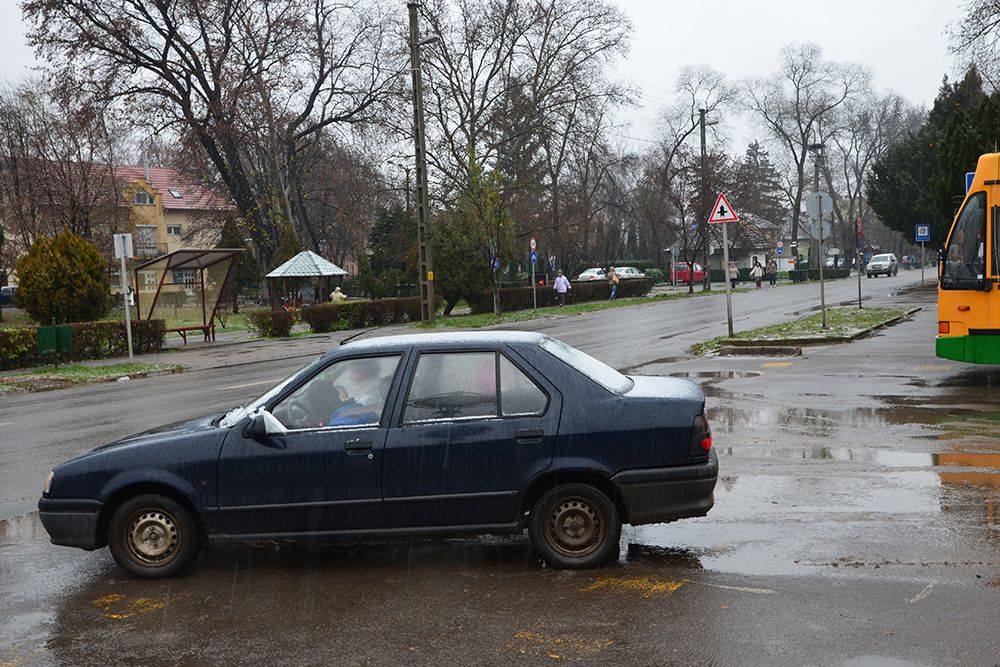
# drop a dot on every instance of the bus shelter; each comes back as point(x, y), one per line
point(183, 288)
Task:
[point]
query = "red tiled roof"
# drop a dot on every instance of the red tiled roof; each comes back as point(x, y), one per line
point(193, 195)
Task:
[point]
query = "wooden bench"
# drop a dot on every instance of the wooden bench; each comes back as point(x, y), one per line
point(208, 330)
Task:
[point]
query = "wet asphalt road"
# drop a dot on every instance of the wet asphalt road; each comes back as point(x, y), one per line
point(856, 522)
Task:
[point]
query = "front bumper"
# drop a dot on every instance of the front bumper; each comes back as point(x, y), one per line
point(72, 522)
point(656, 495)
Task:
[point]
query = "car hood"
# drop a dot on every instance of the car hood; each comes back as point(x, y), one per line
point(164, 434)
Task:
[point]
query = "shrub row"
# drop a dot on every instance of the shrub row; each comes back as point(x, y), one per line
point(90, 340)
point(360, 314)
point(271, 323)
point(799, 275)
point(520, 298)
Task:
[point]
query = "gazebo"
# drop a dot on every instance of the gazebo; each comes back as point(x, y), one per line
point(183, 288)
point(305, 265)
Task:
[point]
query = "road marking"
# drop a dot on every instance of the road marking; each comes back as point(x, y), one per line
point(5, 423)
point(777, 364)
point(933, 367)
point(248, 384)
point(741, 589)
point(648, 586)
point(924, 593)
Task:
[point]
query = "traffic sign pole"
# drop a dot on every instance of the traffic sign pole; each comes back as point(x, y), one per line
point(729, 282)
point(534, 285)
point(922, 258)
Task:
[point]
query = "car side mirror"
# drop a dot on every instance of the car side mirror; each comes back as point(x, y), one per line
point(262, 425)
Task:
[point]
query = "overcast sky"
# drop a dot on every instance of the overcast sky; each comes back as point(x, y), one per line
point(902, 41)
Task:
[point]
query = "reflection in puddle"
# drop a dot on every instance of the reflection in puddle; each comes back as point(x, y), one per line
point(716, 375)
point(886, 457)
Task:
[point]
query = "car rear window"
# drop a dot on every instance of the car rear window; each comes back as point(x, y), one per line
point(598, 371)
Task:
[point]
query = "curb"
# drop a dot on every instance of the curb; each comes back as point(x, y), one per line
point(793, 346)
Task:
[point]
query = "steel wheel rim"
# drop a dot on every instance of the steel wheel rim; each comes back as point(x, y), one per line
point(574, 527)
point(152, 537)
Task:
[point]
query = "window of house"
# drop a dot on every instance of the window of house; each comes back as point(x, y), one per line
point(176, 194)
point(142, 198)
point(173, 230)
point(184, 277)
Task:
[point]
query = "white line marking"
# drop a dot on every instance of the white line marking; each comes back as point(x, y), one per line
point(5, 423)
point(741, 589)
point(924, 593)
point(249, 384)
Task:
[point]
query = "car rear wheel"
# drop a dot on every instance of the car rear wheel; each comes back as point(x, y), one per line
point(152, 536)
point(575, 526)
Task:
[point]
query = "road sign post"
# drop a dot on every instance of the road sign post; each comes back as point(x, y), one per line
point(534, 285)
point(923, 235)
point(723, 213)
point(123, 250)
point(859, 251)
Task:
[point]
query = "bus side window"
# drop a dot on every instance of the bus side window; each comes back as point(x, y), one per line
point(965, 256)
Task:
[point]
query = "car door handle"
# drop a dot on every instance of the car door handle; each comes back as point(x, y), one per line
point(358, 445)
point(528, 436)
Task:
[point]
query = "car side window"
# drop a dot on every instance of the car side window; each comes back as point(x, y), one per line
point(346, 393)
point(452, 385)
point(519, 395)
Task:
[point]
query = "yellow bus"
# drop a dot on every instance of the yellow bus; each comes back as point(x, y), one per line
point(968, 303)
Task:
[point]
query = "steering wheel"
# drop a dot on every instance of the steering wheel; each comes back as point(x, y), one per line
point(299, 414)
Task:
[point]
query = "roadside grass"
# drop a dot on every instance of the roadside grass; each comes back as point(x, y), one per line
point(488, 319)
point(841, 322)
point(50, 377)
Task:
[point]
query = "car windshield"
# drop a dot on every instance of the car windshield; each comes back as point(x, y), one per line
point(234, 416)
point(596, 370)
point(880, 258)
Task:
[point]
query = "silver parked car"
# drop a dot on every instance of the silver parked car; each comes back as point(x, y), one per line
point(629, 272)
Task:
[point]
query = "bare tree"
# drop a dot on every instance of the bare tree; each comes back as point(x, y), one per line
point(791, 104)
point(253, 82)
point(976, 39)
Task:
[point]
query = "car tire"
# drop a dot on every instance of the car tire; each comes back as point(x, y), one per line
point(152, 536)
point(575, 526)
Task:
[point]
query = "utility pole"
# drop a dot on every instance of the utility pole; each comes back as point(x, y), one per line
point(703, 219)
point(423, 227)
point(818, 155)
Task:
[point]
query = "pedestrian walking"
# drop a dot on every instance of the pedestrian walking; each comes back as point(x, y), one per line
point(561, 286)
point(613, 280)
point(757, 272)
point(772, 272)
point(734, 273)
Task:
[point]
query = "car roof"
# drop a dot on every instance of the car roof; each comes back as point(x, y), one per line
point(453, 339)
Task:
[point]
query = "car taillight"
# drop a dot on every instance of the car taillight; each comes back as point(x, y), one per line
point(701, 436)
point(944, 327)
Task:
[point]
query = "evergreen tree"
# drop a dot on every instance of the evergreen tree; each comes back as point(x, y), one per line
point(288, 247)
point(65, 278)
point(245, 271)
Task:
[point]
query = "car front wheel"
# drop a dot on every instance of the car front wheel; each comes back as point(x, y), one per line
point(575, 526)
point(152, 536)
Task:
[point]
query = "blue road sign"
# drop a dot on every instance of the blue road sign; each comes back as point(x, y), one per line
point(969, 175)
point(495, 262)
point(779, 252)
point(923, 233)
point(694, 226)
point(534, 257)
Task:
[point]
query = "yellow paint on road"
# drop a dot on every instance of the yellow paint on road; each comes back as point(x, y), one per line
point(648, 586)
point(118, 607)
point(777, 364)
point(556, 647)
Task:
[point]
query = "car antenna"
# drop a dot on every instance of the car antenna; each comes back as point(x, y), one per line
point(360, 333)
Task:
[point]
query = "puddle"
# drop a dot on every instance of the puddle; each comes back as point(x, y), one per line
point(988, 462)
point(716, 375)
point(20, 529)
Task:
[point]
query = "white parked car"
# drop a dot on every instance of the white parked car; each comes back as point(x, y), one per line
point(629, 272)
point(592, 274)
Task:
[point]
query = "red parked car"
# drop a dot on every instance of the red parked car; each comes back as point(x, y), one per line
point(681, 271)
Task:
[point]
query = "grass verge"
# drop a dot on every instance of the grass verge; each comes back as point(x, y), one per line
point(42, 379)
point(488, 319)
point(841, 323)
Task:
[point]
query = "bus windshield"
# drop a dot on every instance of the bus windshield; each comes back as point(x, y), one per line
point(965, 257)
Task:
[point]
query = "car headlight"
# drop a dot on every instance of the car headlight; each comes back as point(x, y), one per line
point(48, 482)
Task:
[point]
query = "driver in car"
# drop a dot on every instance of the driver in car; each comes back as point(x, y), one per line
point(361, 390)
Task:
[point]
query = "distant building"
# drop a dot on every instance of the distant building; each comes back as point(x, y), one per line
point(171, 211)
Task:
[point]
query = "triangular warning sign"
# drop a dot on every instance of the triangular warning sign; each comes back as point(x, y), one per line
point(723, 211)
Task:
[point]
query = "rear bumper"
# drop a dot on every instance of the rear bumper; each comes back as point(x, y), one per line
point(72, 522)
point(656, 495)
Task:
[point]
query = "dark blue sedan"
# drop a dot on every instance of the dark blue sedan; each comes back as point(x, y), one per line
point(409, 435)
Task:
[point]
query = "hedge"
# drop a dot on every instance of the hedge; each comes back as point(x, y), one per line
point(520, 298)
point(90, 340)
point(271, 323)
point(799, 275)
point(359, 314)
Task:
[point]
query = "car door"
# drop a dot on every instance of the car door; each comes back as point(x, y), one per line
point(324, 474)
point(462, 450)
